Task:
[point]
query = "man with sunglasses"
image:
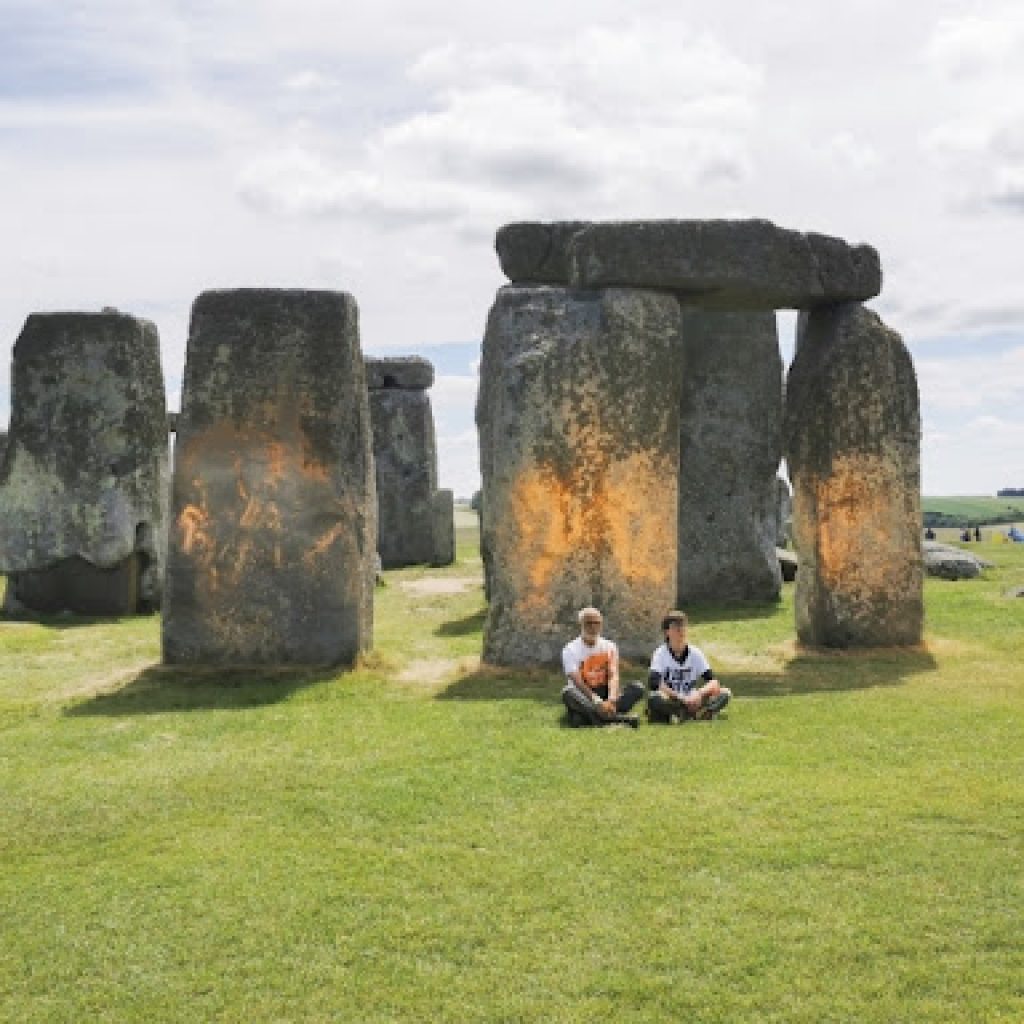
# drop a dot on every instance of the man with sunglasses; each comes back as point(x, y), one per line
point(592, 692)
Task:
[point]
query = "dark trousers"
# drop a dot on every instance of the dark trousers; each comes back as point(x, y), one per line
point(661, 708)
point(582, 706)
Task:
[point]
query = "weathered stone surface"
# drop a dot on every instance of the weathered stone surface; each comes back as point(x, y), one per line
point(579, 452)
point(411, 373)
point(405, 456)
point(274, 531)
point(531, 252)
point(724, 264)
point(783, 512)
point(731, 443)
point(951, 563)
point(442, 518)
point(852, 441)
point(83, 482)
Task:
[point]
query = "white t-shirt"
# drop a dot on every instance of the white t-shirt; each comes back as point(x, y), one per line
point(681, 676)
point(593, 662)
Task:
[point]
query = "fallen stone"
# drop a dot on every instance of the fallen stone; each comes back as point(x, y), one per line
point(853, 434)
point(724, 264)
point(730, 427)
point(83, 481)
point(274, 532)
point(579, 451)
point(951, 563)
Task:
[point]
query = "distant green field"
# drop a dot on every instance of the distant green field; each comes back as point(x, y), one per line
point(961, 510)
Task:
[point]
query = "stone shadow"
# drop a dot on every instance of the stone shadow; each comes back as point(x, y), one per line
point(473, 623)
point(810, 672)
point(66, 620)
point(698, 613)
point(160, 689)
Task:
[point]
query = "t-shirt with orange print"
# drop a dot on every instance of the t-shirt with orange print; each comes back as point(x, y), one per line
point(594, 662)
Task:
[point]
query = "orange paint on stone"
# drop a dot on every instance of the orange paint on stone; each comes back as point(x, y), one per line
point(193, 524)
point(322, 543)
point(857, 514)
point(586, 518)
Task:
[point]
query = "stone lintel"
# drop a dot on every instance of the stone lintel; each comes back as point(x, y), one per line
point(411, 373)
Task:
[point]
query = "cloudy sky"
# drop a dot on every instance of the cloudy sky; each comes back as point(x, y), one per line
point(151, 149)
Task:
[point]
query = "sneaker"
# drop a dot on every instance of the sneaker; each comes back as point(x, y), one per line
point(714, 706)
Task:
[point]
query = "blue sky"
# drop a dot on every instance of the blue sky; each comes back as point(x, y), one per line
point(152, 149)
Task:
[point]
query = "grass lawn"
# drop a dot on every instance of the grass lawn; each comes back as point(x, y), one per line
point(421, 840)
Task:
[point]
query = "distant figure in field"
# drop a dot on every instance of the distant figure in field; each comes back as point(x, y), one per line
point(977, 533)
point(1015, 535)
point(682, 685)
point(592, 693)
point(929, 534)
point(966, 536)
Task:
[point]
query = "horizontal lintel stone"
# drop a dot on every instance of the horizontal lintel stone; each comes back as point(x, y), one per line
point(411, 373)
point(711, 264)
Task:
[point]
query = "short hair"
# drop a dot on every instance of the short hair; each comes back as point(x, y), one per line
point(674, 616)
point(589, 610)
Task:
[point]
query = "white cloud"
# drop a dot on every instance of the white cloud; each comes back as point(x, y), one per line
point(606, 120)
point(979, 92)
point(980, 381)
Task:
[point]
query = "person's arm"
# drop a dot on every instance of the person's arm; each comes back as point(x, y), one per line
point(613, 674)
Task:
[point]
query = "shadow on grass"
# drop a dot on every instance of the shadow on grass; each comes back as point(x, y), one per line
point(698, 613)
point(810, 672)
point(463, 627)
point(67, 620)
point(166, 688)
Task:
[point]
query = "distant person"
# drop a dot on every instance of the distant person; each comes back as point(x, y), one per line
point(681, 684)
point(592, 693)
point(977, 533)
point(966, 536)
point(929, 534)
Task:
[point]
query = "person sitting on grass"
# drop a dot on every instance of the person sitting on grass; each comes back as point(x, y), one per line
point(592, 693)
point(677, 693)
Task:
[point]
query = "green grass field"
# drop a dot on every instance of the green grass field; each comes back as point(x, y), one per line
point(962, 511)
point(420, 839)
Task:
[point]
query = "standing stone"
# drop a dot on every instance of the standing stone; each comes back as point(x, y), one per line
point(442, 521)
point(731, 444)
point(83, 481)
point(579, 452)
point(783, 512)
point(273, 539)
point(405, 455)
point(852, 439)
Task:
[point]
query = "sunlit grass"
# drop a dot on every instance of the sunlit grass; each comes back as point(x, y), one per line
point(419, 839)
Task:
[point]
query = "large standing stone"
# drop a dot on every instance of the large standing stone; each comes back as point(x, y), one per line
point(273, 540)
point(405, 454)
point(852, 440)
point(83, 482)
point(579, 452)
point(731, 445)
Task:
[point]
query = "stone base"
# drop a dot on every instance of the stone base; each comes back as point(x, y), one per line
point(78, 586)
